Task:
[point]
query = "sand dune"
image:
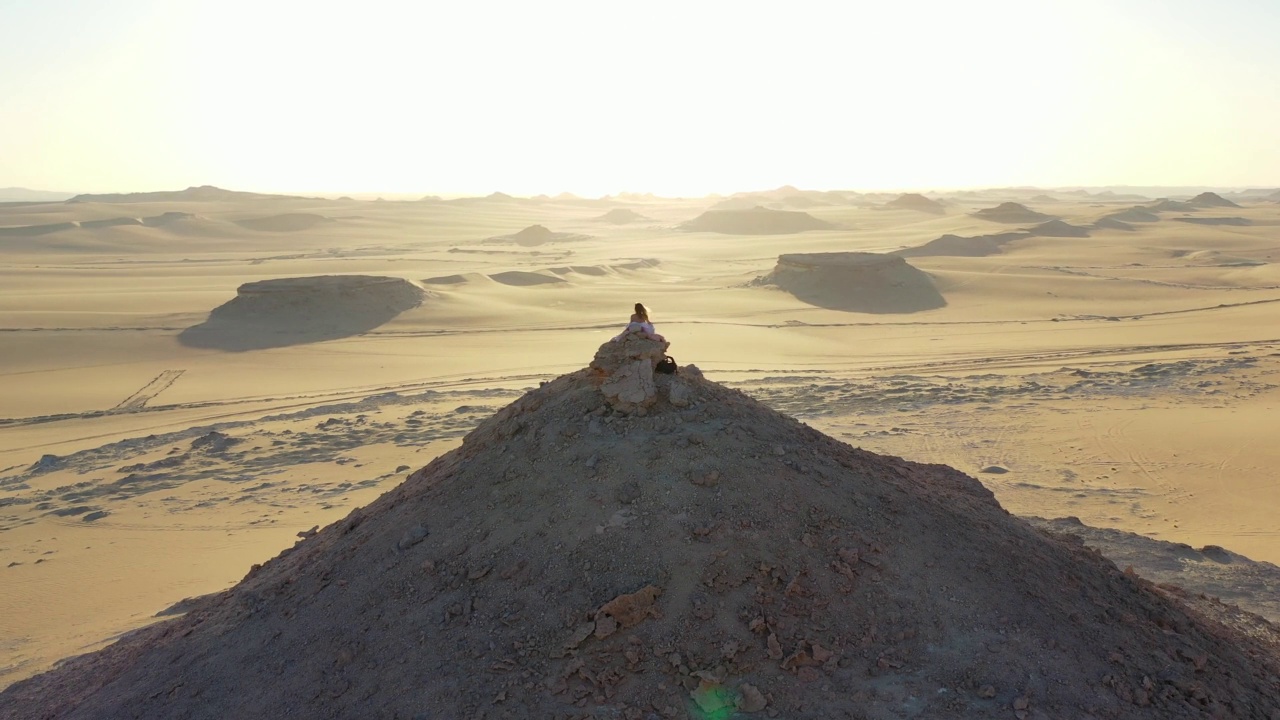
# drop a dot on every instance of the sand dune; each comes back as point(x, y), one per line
point(591, 270)
point(163, 220)
point(1214, 257)
point(548, 276)
point(1167, 205)
point(1111, 222)
point(917, 202)
point(854, 282)
point(520, 278)
point(957, 246)
point(1135, 214)
point(36, 230)
point(294, 311)
point(1011, 212)
point(755, 221)
point(287, 222)
point(1214, 220)
point(110, 222)
point(450, 279)
point(1060, 229)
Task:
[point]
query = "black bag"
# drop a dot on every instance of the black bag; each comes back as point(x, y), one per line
point(666, 366)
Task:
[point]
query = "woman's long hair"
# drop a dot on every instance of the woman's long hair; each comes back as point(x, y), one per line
point(642, 312)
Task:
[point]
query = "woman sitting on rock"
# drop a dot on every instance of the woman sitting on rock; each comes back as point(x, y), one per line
point(640, 323)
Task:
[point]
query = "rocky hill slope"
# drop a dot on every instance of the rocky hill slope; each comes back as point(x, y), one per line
point(624, 544)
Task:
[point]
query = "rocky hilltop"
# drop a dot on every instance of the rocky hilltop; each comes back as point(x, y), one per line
point(623, 544)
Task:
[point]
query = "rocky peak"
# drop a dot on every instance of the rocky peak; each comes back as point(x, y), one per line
point(623, 369)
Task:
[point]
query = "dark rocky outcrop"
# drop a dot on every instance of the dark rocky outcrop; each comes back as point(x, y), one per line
point(755, 221)
point(294, 311)
point(854, 282)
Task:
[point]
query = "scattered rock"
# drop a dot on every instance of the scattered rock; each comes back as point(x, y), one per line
point(626, 611)
point(47, 463)
point(750, 699)
point(413, 536)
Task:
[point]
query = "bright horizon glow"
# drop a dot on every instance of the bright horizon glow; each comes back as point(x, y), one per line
point(675, 98)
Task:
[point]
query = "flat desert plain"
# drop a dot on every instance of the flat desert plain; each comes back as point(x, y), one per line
point(189, 384)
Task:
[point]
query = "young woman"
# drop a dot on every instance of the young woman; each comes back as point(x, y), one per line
point(640, 323)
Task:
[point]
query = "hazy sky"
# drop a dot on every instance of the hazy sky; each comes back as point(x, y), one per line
point(673, 97)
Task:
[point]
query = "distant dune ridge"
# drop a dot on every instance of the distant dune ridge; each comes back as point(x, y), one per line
point(1167, 205)
point(548, 276)
point(294, 311)
point(854, 282)
point(755, 221)
point(957, 246)
point(1060, 229)
point(203, 193)
point(621, 216)
point(27, 195)
point(1212, 258)
point(917, 202)
point(1214, 220)
point(1111, 223)
point(1135, 214)
point(161, 220)
point(537, 235)
point(286, 222)
point(1011, 212)
point(618, 543)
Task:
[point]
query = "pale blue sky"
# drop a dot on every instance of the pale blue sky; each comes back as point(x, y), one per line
point(674, 97)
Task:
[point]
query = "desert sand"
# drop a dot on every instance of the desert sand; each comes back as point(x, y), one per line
point(189, 382)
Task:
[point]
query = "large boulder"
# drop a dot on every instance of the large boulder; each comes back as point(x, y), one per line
point(623, 367)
